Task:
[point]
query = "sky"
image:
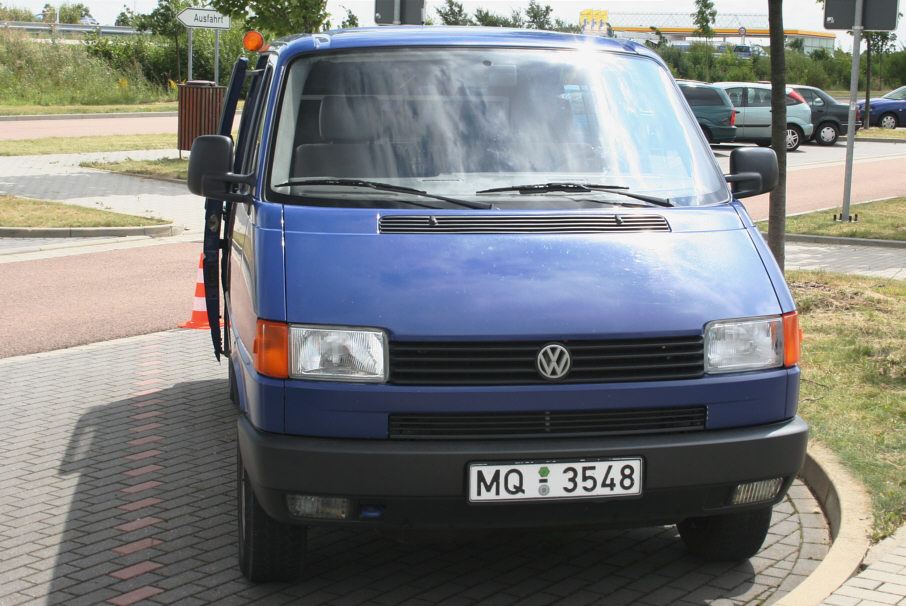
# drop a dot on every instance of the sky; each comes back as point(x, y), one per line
point(797, 14)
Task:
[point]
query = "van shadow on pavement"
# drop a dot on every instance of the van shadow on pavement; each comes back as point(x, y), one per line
point(143, 498)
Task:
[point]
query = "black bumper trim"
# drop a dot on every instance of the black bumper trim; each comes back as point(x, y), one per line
point(684, 473)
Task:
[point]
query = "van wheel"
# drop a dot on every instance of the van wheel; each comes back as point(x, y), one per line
point(707, 134)
point(826, 134)
point(888, 121)
point(268, 549)
point(727, 538)
point(793, 137)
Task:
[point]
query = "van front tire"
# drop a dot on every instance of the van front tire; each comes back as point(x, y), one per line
point(726, 538)
point(268, 550)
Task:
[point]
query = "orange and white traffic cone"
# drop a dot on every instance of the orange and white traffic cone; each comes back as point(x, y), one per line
point(199, 317)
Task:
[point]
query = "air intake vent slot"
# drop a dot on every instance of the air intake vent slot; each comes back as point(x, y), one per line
point(552, 424)
point(521, 224)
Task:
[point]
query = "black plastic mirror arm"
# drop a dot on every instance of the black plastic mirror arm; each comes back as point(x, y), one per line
point(751, 184)
point(242, 193)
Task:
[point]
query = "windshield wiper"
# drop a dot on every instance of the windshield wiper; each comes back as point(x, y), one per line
point(541, 188)
point(399, 189)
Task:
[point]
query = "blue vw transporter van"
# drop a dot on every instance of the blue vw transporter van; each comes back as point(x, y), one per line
point(493, 278)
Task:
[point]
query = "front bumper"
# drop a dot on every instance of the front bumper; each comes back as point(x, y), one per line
point(423, 483)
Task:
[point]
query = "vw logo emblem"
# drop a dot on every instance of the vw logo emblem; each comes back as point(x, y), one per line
point(553, 362)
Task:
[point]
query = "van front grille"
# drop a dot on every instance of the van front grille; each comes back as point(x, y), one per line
point(547, 424)
point(515, 362)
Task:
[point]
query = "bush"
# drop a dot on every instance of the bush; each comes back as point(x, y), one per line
point(156, 56)
point(38, 73)
point(821, 68)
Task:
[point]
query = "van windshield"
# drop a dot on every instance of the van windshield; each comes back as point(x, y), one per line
point(458, 122)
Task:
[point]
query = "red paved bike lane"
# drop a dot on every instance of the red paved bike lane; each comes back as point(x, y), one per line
point(815, 188)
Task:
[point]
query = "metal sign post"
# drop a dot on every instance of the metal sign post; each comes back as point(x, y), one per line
point(851, 126)
point(865, 15)
point(205, 18)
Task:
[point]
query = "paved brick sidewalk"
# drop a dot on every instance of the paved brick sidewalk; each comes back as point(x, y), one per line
point(117, 487)
point(882, 582)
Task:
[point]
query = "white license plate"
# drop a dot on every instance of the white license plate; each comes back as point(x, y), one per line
point(555, 479)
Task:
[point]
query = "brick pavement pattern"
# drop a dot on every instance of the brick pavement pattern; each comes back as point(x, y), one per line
point(118, 487)
point(882, 582)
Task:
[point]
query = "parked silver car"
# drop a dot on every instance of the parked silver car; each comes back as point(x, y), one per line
point(752, 101)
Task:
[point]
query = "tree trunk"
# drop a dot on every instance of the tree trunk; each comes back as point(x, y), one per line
point(777, 209)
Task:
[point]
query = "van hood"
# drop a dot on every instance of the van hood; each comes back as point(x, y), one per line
point(342, 270)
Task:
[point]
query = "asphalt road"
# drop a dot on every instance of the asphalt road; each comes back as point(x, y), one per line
point(88, 297)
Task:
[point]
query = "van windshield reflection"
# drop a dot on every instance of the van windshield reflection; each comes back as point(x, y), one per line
point(452, 122)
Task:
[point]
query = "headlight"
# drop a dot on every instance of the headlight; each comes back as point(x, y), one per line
point(740, 345)
point(338, 354)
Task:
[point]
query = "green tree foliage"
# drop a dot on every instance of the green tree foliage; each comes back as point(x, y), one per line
point(796, 44)
point(821, 68)
point(163, 22)
point(69, 13)
point(349, 21)
point(277, 17)
point(489, 19)
point(704, 17)
point(452, 13)
point(535, 17)
point(126, 18)
point(8, 13)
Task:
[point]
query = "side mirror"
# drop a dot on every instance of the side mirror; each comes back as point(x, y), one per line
point(209, 170)
point(753, 171)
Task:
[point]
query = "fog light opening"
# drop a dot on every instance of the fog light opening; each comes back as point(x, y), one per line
point(756, 492)
point(322, 508)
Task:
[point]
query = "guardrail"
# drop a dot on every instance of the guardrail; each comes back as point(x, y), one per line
point(67, 29)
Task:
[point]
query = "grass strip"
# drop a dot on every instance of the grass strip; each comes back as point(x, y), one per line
point(881, 220)
point(23, 212)
point(853, 391)
point(898, 134)
point(77, 145)
point(43, 110)
point(163, 168)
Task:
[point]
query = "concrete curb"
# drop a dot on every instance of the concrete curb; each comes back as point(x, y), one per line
point(848, 510)
point(154, 231)
point(842, 139)
point(837, 240)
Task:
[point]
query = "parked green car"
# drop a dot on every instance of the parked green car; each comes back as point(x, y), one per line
point(712, 109)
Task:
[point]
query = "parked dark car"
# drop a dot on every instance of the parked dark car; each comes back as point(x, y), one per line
point(712, 109)
point(829, 116)
point(888, 111)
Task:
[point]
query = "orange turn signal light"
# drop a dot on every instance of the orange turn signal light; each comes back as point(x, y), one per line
point(253, 41)
point(271, 349)
point(792, 339)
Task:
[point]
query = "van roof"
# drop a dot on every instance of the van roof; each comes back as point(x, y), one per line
point(409, 35)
